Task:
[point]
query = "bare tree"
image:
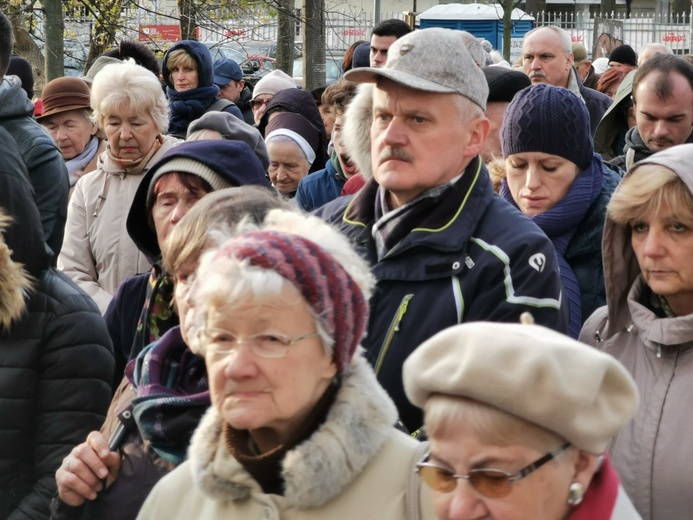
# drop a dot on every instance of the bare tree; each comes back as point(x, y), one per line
point(508, 7)
point(313, 44)
point(55, 43)
point(286, 35)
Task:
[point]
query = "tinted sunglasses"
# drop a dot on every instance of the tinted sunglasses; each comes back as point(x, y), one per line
point(491, 483)
point(257, 103)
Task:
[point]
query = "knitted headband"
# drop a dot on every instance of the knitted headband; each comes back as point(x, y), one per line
point(328, 288)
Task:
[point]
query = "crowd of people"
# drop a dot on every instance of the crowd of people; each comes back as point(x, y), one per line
point(442, 287)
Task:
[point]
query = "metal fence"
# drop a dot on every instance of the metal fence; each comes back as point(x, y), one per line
point(600, 34)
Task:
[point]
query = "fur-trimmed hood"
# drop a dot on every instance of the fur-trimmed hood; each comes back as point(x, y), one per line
point(317, 470)
point(14, 281)
point(357, 129)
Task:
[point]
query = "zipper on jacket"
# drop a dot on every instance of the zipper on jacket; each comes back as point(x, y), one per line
point(394, 327)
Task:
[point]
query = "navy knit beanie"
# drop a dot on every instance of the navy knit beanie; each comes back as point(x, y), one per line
point(548, 119)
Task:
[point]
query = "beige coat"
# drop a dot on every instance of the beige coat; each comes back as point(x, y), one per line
point(97, 253)
point(653, 455)
point(356, 466)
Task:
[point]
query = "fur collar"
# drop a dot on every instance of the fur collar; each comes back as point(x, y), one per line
point(357, 129)
point(358, 424)
point(15, 283)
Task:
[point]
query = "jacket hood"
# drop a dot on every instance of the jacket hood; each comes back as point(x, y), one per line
point(13, 100)
point(357, 129)
point(24, 235)
point(205, 69)
point(621, 267)
point(317, 470)
point(612, 121)
point(233, 161)
point(15, 282)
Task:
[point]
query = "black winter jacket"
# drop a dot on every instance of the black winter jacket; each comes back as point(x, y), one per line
point(56, 361)
point(473, 258)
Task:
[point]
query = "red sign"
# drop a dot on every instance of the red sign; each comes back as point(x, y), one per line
point(672, 37)
point(169, 33)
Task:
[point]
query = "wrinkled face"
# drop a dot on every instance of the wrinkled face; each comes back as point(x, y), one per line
point(184, 77)
point(541, 495)
point(232, 90)
point(71, 131)
point(664, 123)
point(183, 280)
point(492, 146)
point(328, 117)
point(259, 105)
point(419, 140)
point(173, 200)
point(544, 60)
point(379, 47)
point(348, 167)
point(538, 181)
point(663, 245)
point(130, 135)
point(270, 397)
point(287, 165)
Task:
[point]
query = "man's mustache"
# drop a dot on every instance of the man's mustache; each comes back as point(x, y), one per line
point(394, 153)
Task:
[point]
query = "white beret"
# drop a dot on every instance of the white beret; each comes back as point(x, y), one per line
point(567, 387)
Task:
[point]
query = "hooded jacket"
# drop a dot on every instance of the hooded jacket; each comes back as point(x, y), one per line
point(635, 150)
point(98, 254)
point(614, 124)
point(56, 360)
point(205, 79)
point(652, 454)
point(355, 465)
point(41, 157)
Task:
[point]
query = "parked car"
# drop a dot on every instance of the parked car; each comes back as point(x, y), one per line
point(225, 51)
point(333, 71)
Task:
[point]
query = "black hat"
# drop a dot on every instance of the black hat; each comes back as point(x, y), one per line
point(625, 55)
point(504, 83)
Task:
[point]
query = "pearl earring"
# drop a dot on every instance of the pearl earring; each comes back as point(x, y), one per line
point(575, 494)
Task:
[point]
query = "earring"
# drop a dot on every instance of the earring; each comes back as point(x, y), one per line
point(575, 493)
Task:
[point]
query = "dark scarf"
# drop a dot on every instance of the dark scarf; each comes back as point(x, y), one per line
point(266, 468)
point(392, 226)
point(172, 395)
point(188, 106)
point(560, 224)
point(158, 315)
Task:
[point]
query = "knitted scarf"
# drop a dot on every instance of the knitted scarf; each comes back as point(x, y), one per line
point(76, 165)
point(560, 224)
point(172, 395)
point(188, 106)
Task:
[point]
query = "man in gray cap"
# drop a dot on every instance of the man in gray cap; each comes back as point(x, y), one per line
point(443, 247)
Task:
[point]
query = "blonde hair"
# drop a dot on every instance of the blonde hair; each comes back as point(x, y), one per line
point(180, 58)
point(444, 414)
point(127, 84)
point(645, 191)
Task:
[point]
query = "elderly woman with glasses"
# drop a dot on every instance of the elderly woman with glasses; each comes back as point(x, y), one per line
point(518, 418)
point(299, 426)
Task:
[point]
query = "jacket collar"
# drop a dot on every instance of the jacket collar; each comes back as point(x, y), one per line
point(319, 469)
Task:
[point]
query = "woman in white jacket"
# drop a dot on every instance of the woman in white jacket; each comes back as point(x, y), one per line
point(97, 252)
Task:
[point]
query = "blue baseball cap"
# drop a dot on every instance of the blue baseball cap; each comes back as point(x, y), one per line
point(225, 70)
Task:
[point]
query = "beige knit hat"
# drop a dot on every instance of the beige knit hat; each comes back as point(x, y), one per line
point(571, 389)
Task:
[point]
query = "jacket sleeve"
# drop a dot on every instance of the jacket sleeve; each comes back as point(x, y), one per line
point(234, 110)
point(522, 278)
point(75, 369)
point(51, 188)
point(76, 259)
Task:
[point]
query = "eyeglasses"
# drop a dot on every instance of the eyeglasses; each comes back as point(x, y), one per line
point(221, 342)
point(257, 103)
point(491, 483)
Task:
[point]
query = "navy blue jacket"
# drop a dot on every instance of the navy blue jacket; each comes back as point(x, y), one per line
point(596, 103)
point(474, 258)
point(319, 188)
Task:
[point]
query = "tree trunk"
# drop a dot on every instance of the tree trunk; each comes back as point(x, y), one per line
point(535, 6)
point(285, 36)
point(103, 37)
point(55, 34)
point(508, 7)
point(608, 7)
point(313, 44)
point(186, 10)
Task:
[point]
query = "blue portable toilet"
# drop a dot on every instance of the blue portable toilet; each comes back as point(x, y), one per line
point(483, 21)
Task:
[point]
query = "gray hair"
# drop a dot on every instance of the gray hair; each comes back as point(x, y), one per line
point(566, 40)
point(126, 83)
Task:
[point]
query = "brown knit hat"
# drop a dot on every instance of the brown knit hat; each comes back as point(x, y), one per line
point(63, 94)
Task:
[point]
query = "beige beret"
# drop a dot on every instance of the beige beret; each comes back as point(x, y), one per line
point(571, 389)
